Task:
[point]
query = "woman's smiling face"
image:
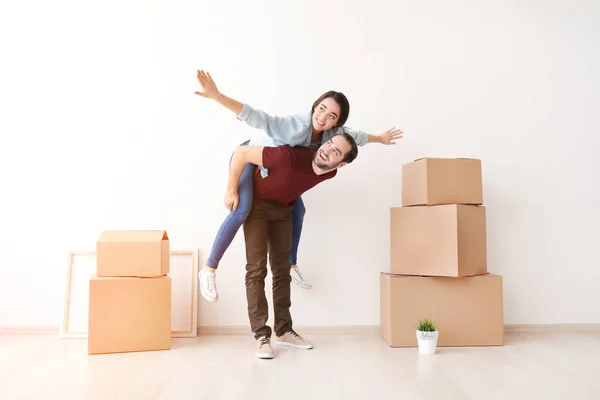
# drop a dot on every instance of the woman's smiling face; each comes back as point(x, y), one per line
point(326, 114)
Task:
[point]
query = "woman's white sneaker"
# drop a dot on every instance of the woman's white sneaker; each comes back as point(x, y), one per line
point(208, 285)
point(298, 279)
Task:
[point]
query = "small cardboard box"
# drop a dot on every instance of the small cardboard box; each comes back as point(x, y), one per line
point(432, 181)
point(129, 314)
point(468, 311)
point(446, 240)
point(132, 253)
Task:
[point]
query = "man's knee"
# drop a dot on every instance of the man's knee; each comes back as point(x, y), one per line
point(256, 273)
point(280, 267)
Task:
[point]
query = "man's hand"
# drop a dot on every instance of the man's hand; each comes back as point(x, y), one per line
point(390, 135)
point(231, 200)
point(209, 87)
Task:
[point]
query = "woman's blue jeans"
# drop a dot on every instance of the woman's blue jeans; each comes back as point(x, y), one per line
point(236, 218)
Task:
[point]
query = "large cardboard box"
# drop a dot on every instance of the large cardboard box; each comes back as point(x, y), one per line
point(445, 240)
point(129, 314)
point(132, 253)
point(469, 311)
point(432, 181)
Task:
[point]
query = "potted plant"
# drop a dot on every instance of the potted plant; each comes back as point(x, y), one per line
point(427, 336)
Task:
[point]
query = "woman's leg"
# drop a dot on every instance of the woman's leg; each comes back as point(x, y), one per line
point(297, 220)
point(235, 219)
point(227, 232)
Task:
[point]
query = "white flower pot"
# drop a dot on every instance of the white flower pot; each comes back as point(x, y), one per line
point(427, 342)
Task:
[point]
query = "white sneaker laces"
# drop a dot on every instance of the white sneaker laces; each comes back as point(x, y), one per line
point(299, 274)
point(210, 282)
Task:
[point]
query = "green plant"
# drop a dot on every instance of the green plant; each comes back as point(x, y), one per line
point(426, 325)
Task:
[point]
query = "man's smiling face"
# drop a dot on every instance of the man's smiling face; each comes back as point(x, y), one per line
point(332, 152)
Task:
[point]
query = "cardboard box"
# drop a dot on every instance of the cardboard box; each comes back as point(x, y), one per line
point(432, 181)
point(129, 314)
point(446, 240)
point(132, 253)
point(468, 311)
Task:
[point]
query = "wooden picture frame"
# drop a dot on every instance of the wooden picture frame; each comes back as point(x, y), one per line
point(184, 302)
point(184, 293)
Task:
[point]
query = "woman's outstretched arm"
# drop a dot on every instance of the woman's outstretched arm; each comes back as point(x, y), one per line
point(210, 91)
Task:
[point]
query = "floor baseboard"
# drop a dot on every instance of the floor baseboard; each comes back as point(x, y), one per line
point(29, 330)
point(303, 330)
point(364, 329)
point(550, 328)
point(325, 330)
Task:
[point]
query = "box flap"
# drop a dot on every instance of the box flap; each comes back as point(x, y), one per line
point(446, 158)
point(133, 236)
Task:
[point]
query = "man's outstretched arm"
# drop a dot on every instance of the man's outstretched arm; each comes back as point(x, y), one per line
point(242, 156)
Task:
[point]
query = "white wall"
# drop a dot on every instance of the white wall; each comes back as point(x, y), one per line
point(101, 130)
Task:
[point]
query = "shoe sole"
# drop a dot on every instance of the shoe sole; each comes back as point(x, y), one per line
point(212, 300)
point(265, 356)
point(297, 346)
point(302, 285)
point(209, 298)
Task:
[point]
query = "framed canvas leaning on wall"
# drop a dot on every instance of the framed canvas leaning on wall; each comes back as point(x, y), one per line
point(184, 297)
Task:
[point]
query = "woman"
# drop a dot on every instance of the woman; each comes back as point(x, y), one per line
point(310, 128)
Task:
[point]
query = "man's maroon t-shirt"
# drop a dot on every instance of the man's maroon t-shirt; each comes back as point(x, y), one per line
point(290, 174)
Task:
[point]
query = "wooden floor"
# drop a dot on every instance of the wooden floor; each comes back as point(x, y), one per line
point(341, 366)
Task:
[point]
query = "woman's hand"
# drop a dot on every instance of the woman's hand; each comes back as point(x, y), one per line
point(210, 91)
point(390, 135)
point(209, 87)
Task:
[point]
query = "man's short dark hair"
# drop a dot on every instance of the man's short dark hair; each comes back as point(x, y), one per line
point(353, 153)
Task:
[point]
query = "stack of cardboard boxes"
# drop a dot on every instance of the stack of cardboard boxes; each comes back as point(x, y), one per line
point(130, 295)
point(439, 258)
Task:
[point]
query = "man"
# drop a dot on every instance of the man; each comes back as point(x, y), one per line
point(293, 170)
